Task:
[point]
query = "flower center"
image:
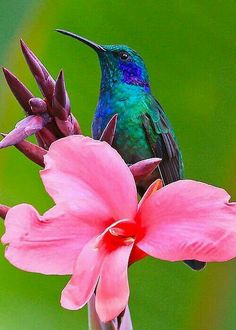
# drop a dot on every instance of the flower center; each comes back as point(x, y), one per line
point(124, 231)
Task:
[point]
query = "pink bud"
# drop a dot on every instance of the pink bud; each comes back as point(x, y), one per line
point(44, 80)
point(48, 135)
point(109, 131)
point(32, 151)
point(66, 127)
point(3, 210)
point(21, 93)
point(26, 127)
point(144, 168)
point(38, 105)
point(60, 101)
point(76, 127)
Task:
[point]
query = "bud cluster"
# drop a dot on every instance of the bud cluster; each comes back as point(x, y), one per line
point(49, 118)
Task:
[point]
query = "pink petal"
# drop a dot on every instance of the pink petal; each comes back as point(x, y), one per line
point(188, 220)
point(51, 244)
point(156, 185)
point(78, 166)
point(113, 288)
point(85, 276)
point(97, 252)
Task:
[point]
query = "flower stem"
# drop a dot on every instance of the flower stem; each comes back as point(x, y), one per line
point(95, 323)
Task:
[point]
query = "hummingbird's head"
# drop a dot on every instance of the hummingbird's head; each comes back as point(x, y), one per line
point(119, 63)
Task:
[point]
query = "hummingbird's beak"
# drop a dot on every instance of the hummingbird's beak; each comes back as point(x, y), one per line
point(91, 44)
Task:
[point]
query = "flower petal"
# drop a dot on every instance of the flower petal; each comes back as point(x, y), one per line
point(80, 166)
point(188, 220)
point(52, 243)
point(85, 276)
point(156, 185)
point(113, 288)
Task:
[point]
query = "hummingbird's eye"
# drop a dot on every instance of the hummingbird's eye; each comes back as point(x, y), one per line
point(124, 56)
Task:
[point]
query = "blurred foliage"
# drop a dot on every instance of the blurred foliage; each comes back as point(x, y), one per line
point(189, 48)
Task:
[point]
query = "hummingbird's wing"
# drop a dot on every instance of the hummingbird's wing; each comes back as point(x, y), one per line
point(163, 143)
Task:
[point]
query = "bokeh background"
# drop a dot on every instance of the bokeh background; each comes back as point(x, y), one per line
point(189, 48)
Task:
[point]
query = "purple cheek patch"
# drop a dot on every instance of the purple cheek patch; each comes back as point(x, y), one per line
point(132, 74)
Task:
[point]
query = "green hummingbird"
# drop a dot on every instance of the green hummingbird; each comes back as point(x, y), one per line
point(143, 130)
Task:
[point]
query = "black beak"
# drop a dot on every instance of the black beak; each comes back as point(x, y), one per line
point(91, 44)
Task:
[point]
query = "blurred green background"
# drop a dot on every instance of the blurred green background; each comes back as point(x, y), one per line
point(189, 48)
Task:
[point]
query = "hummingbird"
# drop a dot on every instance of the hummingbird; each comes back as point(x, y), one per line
point(143, 130)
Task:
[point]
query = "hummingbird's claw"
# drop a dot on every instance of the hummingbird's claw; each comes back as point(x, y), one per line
point(44, 80)
point(109, 131)
point(21, 93)
point(3, 211)
point(145, 167)
point(60, 101)
point(26, 127)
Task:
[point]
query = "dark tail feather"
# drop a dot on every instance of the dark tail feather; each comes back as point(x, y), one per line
point(195, 264)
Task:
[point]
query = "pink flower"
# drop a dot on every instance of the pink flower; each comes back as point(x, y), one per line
point(97, 226)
